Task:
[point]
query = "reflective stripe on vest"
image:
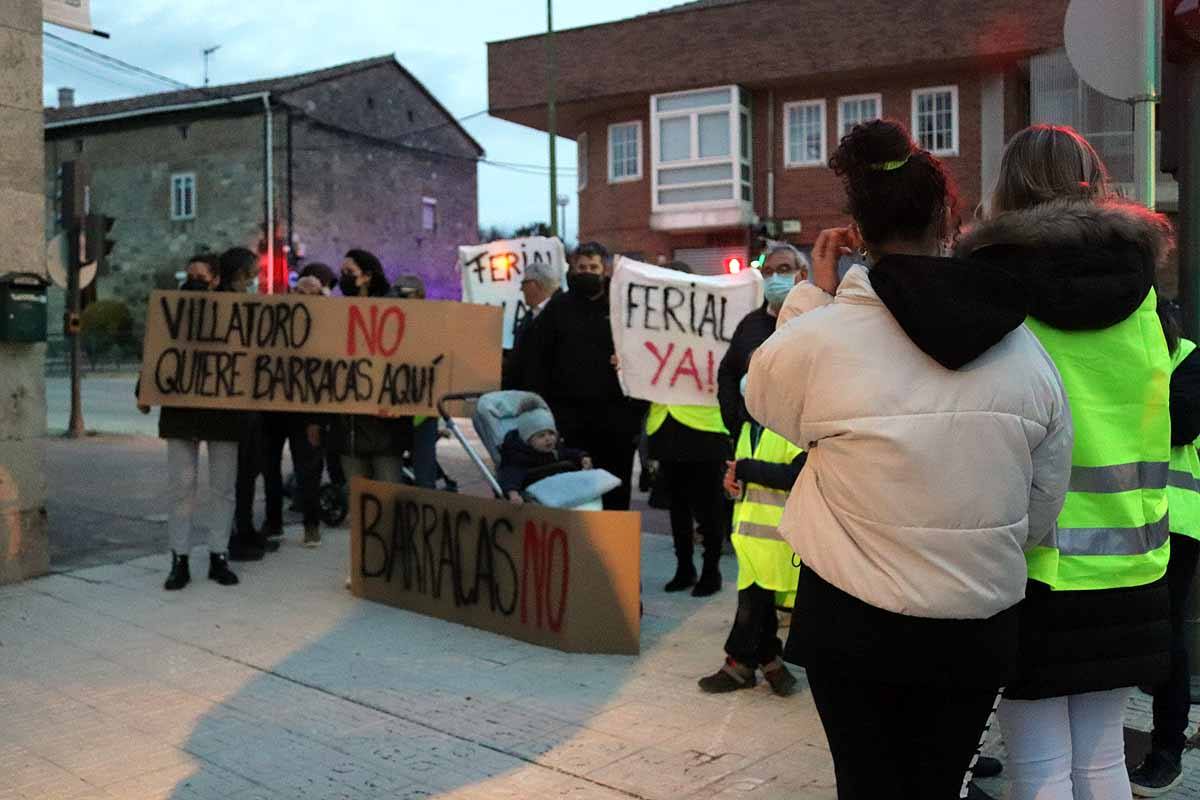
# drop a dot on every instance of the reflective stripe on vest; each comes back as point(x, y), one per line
point(1183, 481)
point(764, 557)
point(700, 418)
point(1113, 529)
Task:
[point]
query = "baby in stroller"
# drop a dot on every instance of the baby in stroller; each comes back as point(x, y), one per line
point(533, 451)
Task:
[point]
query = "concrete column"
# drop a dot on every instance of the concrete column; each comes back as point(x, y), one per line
point(24, 548)
point(991, 132)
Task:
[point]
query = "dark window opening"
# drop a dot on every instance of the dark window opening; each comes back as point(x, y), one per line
point(183, 131)
point(370, 102)
point(411, 116)
point(79, 145)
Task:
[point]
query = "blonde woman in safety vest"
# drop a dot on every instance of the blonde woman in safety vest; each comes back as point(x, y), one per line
point(1162, 769)
point(1095, 618)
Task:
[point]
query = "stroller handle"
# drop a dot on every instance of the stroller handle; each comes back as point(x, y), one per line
point(460, 396)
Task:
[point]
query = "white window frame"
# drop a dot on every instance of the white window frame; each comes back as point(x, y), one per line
point(178, 215)
point(787, 133)
point(736, 106)
point(429, 202)
point(876, 96)
point(954, 116)
point(581, 162)
point(637, 175)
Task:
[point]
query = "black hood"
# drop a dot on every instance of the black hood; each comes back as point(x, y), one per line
point(1085, 266)
point(953, 309)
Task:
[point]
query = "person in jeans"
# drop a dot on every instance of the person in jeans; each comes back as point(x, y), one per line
point(939, 449)
point(185, 429)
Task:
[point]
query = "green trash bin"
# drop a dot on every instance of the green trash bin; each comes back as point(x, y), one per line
point(22, 307)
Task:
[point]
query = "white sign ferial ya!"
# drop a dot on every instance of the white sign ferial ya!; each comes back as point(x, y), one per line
point(492, 274)
point(671, 329)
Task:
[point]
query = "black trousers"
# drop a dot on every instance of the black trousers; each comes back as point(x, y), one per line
point(609, 450)
point(696, 504)
point(899, 742)
point(1172, 699)
point(280, 428)
point(250, 462)
point(754, 639)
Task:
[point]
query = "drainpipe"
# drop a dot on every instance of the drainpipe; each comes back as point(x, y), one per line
point(771, 154)
point(291, 231)
point(269, 190)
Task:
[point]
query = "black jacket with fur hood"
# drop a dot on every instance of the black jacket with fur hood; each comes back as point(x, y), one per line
point(1084, 266)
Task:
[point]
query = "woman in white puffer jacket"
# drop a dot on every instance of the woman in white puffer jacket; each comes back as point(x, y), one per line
point(939, 444)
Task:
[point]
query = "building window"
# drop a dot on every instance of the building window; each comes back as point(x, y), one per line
point(804, 133)
point(581, 161)
point(183, 195)
point(700, 148)
point(79, 145)
point(625, 152)
point(428, 214)
point(935, 119)
point(855, 109)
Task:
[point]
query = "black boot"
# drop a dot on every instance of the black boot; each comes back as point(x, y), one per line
point(218, 570)
point(710, 579)
point(244, 547)
point(685, 576)
point(180, 574)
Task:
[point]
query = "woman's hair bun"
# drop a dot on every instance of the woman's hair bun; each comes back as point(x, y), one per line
point(869, 145)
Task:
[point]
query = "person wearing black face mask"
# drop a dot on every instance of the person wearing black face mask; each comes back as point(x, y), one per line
point(567, 358)
point(185, 429)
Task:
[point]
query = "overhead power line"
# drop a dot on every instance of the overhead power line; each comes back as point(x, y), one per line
point(115, 62)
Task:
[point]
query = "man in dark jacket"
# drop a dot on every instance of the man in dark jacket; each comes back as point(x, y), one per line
point(543, 281)
point(568, 359)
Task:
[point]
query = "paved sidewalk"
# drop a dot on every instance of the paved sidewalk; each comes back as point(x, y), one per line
point(287, 687)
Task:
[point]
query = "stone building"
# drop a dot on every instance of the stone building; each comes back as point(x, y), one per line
point(24, 548)
point(718, 115)
point(361, 155)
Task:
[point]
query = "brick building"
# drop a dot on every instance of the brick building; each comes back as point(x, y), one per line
point(361, 154)
point(698, 121)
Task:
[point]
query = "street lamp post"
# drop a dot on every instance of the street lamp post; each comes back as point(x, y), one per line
point(552, 112)
point(563, 200)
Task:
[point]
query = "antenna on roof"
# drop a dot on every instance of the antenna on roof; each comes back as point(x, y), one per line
point(208, 51)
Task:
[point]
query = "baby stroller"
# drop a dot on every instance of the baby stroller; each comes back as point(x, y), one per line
point(558, 486)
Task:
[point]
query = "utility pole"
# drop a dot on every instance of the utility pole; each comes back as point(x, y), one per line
point(552, 113)
point(1145, 164)
point(75, 193)
point(208, 51)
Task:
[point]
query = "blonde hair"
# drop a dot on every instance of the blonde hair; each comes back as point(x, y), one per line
point(1044, 163)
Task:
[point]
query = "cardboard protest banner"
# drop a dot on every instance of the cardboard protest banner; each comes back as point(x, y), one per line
point(554, 577)
point(671, 329)
point(303, 353)
point(492, 274)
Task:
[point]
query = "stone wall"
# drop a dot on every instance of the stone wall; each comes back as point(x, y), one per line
point(24, 550)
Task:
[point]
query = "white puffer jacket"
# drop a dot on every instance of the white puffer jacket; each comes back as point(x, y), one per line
point(924, 484)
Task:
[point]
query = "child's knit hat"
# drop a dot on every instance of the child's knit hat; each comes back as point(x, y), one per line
point(532, 419)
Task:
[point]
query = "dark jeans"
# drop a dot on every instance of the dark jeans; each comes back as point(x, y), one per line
point(754, 639)
point(696, 503)
point(279, 428)
point(1172, 699)
point(612, 451)
point(899, 742)
point(250, 463)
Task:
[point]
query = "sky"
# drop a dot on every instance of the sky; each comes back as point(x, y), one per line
point(441, 43)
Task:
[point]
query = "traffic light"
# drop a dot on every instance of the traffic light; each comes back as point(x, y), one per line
point(97, 244)
point(734, 264)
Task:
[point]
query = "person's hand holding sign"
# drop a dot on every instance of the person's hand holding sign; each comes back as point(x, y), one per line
point(733, 487)
point(831, 245)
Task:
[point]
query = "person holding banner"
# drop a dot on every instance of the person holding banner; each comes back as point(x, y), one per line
point(184, 430)
point(568, 360)
point(939, 442)
point(370, 447)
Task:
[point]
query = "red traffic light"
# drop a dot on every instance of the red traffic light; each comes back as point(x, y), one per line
point(734, 265)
